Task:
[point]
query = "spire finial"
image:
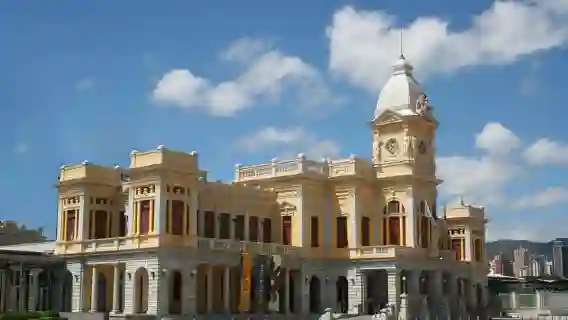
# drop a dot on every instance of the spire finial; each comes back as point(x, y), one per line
point(461, 200)
point(401, 43)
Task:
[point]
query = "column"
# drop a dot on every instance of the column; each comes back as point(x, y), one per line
point(246, 227)
point(304, 288)
point(227, 288)
point(217, 225)
point(94, 289)
point(3, 290)
point(201, 223)
point(414, 297)
point(209, 288)
point(435, 278)
point(34, 289)
point(23, 288)
point(116, 289)
point(152, 220)
point(232, 227)
point(169, 217)
point(286, 290)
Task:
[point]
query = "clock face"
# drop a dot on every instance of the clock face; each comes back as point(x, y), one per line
point(422, 147)
point(392, 146)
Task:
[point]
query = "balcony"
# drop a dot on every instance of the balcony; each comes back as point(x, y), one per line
point(107, 244)
point(153, 241)
point(260, 248)
point(388, 252)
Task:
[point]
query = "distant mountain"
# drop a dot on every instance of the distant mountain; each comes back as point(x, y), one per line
point(508, 246)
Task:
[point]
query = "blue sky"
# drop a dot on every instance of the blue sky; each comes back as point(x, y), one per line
point(245, 81)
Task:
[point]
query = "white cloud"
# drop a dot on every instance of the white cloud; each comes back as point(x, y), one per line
point(267, 74)
point(85, 84)
point(545, 198)
point(21, 148)
point(363, 44)
point(546, 151)
point(528, 86)
point(497, 139)
point(288, 142)
point(245, 50)
point(481, 179)
point(531, 82)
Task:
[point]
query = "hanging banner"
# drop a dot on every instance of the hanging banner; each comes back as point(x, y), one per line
point(246, 274)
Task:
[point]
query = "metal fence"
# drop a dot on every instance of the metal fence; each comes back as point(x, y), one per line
point(543, 303)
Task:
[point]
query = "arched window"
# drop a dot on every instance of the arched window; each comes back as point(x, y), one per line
point(393, 206)
point(394, 224)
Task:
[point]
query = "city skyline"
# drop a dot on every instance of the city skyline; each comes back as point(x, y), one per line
point(244, 85)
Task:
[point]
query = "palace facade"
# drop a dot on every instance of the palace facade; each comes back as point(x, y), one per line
point(158, 239)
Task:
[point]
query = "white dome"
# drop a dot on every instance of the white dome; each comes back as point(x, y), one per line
point(401, 91)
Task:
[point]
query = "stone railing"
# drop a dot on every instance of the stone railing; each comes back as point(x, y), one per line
point(274, 169)
point(387, 252)
point(106, 244)
point(324, 168)
point(152, 241)
point(249, 247)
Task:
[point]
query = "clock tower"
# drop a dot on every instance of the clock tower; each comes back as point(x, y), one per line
point(404, 153)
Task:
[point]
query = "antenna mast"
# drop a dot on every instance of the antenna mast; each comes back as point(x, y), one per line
point(401, 43)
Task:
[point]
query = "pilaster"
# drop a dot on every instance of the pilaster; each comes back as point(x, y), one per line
point(393, 286)
point(329, 291)
point(189, 292)
point(357, 291)
point(159, 292)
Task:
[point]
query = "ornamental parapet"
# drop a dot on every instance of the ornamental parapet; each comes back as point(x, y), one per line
point(324, 169)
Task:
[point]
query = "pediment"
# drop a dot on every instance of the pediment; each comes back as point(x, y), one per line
point(287, 208)
point(388, 116)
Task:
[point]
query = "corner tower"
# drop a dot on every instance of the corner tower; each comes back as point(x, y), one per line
point(404, 150)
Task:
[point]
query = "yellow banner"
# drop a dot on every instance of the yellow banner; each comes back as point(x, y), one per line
point(244, 304)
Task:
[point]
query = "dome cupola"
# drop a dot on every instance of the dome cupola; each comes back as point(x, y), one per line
point(402, 92)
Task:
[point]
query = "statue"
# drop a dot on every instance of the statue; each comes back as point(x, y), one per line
point(375, 151)
point(409, 144)
point(422, 104)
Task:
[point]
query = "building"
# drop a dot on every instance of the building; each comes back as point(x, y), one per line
point(521, 259)
point(159, 239)
point(32, 279)
point(548, 268)
point(537, 265)
point(560, 258)
point(497, 264)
